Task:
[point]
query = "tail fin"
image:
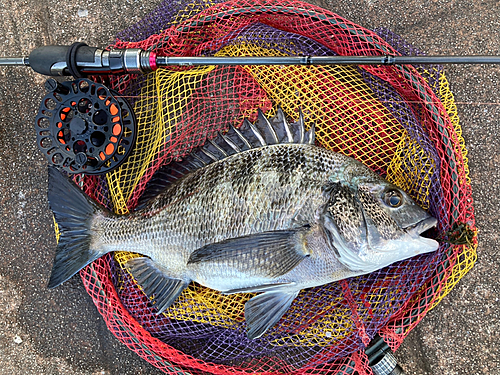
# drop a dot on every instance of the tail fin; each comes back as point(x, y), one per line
point(73, 212)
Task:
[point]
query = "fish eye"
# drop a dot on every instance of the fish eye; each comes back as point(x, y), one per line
point(393, 198)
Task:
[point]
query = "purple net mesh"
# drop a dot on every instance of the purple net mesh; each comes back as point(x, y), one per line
point(231, 346)
point(387, 302)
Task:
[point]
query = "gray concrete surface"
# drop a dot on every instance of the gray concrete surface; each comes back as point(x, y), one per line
point(60, 332)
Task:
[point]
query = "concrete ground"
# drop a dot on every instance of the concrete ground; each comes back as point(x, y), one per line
point(60, 332)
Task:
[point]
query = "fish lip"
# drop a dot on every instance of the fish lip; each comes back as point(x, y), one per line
point(422, 225)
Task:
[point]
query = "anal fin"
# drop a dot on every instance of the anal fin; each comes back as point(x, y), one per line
point(265, 310)
point(155, 283)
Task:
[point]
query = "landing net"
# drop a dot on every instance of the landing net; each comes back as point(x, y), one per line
point(401, 121)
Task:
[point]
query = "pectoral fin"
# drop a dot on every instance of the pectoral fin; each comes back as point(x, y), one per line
point(155, 282)
point(265, 310)
point(269, 254)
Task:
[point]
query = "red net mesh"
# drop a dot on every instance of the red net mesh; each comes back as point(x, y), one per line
point(399, 120)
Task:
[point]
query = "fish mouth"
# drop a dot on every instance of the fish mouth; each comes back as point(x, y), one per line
point(422, 226)
point(426, 244)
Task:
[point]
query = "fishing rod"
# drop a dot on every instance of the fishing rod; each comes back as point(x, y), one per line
point(79, 60)
point(82, 126)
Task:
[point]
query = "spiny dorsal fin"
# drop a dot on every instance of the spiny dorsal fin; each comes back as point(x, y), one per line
point(230, 143)
point(212, 156)
point(283, 128)
point(235, 135)
point(267, 129)
point(310, 136)
point(253, 134)
point(301, 126)
point(263, 133)
point(294, 132)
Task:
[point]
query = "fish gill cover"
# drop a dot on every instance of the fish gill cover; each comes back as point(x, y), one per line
point(401, 121)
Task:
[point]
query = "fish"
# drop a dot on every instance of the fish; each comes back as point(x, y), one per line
point(258, 209)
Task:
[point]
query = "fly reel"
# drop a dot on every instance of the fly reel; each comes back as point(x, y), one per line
point(83, 127)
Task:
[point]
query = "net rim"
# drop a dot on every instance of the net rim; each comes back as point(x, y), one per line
point(191, 360)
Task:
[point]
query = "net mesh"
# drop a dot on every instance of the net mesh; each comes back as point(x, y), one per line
point(401, 121)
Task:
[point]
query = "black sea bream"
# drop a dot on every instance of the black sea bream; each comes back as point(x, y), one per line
point(258, 209)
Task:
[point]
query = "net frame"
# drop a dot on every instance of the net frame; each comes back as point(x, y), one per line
point(429, 100)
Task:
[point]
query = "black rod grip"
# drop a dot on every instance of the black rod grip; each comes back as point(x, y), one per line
point(43, 59)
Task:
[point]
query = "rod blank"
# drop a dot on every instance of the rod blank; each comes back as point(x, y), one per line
point(55, 60)
point(327, 60)
point(14, 61)
point(301, 60)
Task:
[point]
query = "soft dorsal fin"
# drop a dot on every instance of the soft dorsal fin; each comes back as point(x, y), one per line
point(264, 132)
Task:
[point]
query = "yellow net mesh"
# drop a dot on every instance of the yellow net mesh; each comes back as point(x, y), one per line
point(400, 121)
point(386, 146)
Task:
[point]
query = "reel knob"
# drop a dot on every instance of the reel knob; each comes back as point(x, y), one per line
point(83, 127)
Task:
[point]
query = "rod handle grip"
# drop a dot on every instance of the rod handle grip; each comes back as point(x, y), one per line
point(61, 60)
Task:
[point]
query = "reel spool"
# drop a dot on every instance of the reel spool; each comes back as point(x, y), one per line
point(83, 127)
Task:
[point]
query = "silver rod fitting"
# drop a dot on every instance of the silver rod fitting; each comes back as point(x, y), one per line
point(387, 365)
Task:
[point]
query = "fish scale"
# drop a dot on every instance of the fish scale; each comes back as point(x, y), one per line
point(212, 205)
point(246, 214)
